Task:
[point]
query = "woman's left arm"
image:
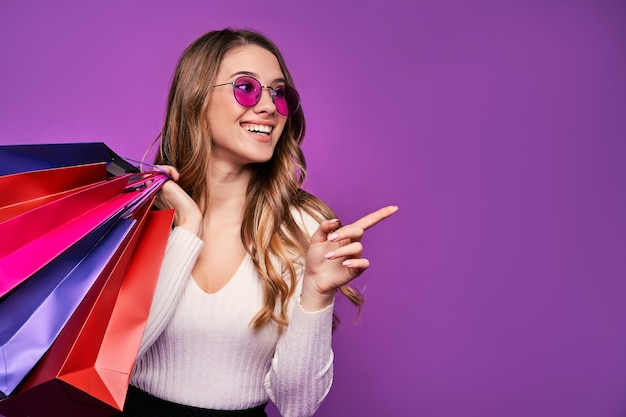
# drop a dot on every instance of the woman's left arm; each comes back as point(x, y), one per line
point(302, 368)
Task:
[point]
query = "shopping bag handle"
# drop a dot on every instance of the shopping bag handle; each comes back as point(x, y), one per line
point(147, 184)
point(158, 168)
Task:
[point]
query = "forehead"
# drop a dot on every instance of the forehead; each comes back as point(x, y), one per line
point(253, 59)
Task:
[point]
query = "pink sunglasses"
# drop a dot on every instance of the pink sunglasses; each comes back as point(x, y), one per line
point(247, 91)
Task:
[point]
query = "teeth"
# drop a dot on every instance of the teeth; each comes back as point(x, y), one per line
point(259, 129)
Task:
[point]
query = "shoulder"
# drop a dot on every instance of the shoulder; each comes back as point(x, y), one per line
point(308, 211)
point(306, 221)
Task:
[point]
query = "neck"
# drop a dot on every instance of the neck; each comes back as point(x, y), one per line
point(227, 188)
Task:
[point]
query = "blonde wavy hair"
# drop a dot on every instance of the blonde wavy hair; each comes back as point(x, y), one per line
point(269, 230)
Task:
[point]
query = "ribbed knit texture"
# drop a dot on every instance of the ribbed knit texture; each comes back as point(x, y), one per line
point(199, 349)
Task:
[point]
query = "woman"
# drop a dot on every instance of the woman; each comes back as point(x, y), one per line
point(243, 310)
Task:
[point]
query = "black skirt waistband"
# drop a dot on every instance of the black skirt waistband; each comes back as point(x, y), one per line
point(141, 404)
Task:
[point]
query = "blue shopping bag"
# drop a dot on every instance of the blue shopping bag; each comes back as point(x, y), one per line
point(32, 157)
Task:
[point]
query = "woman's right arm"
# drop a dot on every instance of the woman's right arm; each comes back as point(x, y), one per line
point(187, 214)
point(181, 253)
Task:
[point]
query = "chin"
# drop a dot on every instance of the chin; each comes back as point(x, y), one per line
point(262, 157)
point(263, 160)
point(256, 159)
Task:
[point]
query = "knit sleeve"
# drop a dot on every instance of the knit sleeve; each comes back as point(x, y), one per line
point(301, 372)
point(181, 252)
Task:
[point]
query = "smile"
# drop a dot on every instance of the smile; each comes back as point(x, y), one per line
point(260, 129)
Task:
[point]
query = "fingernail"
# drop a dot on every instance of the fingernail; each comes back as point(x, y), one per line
point(333, 236)
point(346, 263)
point(329, 255)
point(333, 221)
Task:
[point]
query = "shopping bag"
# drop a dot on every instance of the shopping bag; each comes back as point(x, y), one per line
point(44, 230)
point(42, 305)
point(41, 234)
point(87, 370)
point(24, 191)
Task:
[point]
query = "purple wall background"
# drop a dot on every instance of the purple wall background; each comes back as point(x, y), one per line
point(497, 127)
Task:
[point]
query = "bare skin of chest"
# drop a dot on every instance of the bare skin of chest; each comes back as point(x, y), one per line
point(220, 257)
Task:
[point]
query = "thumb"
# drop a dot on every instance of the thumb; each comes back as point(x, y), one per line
point(326, 227)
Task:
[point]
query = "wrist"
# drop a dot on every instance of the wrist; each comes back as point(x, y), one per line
point(313, 299)
point(192, 223)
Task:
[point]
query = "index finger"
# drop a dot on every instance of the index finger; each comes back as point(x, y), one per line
point(168, 170)
point(375, 217)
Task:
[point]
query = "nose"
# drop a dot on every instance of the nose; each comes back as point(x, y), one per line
point(266, 102)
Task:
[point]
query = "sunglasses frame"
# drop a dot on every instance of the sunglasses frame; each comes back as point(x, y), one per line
point(272, 93)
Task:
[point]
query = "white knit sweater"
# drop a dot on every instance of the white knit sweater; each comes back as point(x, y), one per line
point(199, 349)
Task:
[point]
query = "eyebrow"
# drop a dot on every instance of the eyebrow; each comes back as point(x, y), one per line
point(252, 74)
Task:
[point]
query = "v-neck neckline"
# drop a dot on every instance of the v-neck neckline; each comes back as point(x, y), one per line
point(244, 261)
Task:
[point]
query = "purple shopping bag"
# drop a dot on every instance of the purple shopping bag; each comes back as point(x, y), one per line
point(36, 311)
point(86, 372)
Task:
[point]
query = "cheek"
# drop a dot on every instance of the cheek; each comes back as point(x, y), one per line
point(279, 129)
point(223, 109)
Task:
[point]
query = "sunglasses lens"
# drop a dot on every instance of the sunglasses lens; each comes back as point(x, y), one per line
point(247, 91)
point(286, 100)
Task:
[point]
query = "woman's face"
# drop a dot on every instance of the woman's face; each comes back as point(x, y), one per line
point(243, 135)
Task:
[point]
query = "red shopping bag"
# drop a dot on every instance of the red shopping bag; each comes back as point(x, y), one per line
point(25, 191)
point(87, 370)
point(41, 234)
